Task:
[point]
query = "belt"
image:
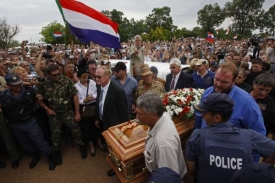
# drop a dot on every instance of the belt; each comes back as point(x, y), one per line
point(90, 104)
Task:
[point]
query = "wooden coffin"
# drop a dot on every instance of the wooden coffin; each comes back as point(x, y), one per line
point(125, 150)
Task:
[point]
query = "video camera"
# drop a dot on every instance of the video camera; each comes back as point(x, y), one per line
point(47, 54)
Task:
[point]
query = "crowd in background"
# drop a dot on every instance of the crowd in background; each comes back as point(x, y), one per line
point(79, 63)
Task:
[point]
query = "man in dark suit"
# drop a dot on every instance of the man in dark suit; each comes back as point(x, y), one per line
point(112, 108)
point(177, 79)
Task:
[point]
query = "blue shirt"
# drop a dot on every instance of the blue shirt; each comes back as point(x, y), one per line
point(246, 112)
point(129, 86)
point(205, 81)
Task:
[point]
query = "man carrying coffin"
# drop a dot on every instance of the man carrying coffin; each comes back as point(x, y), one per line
point(220, 149)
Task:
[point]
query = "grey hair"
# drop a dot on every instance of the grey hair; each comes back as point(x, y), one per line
point(175, 61)
point(137, 36)
point(265, 79)
point(150, 103)
point(22, 62)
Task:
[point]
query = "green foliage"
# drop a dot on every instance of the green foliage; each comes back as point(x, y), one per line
point(244, 13)
point(210, 16)
point(160, 17)
point(47, 33)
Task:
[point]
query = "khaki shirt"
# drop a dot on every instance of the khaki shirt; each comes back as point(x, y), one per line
point(156, 88)
point(136, 59)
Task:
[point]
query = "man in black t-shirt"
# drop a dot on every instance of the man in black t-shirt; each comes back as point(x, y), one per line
point(262, 85)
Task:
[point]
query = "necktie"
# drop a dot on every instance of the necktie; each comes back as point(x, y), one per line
point(101, 104)
point(172, 83)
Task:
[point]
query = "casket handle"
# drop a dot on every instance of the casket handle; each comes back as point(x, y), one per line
point(144, 169)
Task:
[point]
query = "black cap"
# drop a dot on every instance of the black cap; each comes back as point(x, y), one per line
point(81, 71)
point(119, 66)
point(13, 79)
point(154, 69)
point(219, 102)
point(214, 64)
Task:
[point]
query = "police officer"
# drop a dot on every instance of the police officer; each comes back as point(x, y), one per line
point(220, 149)
point(18, 107)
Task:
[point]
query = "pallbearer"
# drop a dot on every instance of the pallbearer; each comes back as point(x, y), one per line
point(215, 152)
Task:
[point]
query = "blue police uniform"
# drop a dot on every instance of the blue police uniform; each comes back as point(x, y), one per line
point(222, 149)
point(19, 113)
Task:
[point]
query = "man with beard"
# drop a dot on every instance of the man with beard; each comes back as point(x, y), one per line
point(246, 113)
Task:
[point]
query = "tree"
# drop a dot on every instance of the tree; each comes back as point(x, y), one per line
point(243, 14)
point(210, 16)
point(7, 33)
point(270, 19)
point(160, 17)
point(47, 33)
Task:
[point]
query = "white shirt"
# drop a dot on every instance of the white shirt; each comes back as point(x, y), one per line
point(105, 90)
point(176, 79)
point(82, 91)
point(163, 147)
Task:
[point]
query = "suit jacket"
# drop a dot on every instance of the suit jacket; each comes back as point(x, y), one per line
point(115, 109)
point(184, 81)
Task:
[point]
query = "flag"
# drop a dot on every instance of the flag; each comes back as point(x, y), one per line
point(235, 36)
point(87, 24)
point(57, 34)
point(210, 37)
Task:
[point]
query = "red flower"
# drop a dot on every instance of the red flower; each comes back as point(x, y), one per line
point(180, 103)
point(191, 89)
point(165, 101)
point(186, 109)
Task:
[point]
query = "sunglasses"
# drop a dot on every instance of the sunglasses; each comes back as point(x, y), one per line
point(55, 75)
point(98, 77)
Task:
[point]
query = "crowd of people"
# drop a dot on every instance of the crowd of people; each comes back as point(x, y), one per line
point(71, 92)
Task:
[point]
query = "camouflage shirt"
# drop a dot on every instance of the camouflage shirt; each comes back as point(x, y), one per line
point(156, 88)
point(59, 94)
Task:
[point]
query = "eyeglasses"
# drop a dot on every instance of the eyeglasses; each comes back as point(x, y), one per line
point(55, 75)
point(98, 77)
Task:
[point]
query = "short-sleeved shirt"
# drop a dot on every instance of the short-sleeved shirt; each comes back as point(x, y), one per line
point(59, 93)
point(163, 147)
point(129, 87)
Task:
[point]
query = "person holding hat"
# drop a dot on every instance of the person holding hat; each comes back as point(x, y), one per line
point(18, 107)
point(203, 78)
point(216, 152)
point(148, 84)
point(127, 83)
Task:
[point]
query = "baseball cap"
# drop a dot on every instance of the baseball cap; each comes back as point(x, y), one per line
point(201, 61)
point(214, 64)
point(13, 79)
point(219, 102)
point(119, 66)
point(104, 62)
point(164, 175)
point(154, 69)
